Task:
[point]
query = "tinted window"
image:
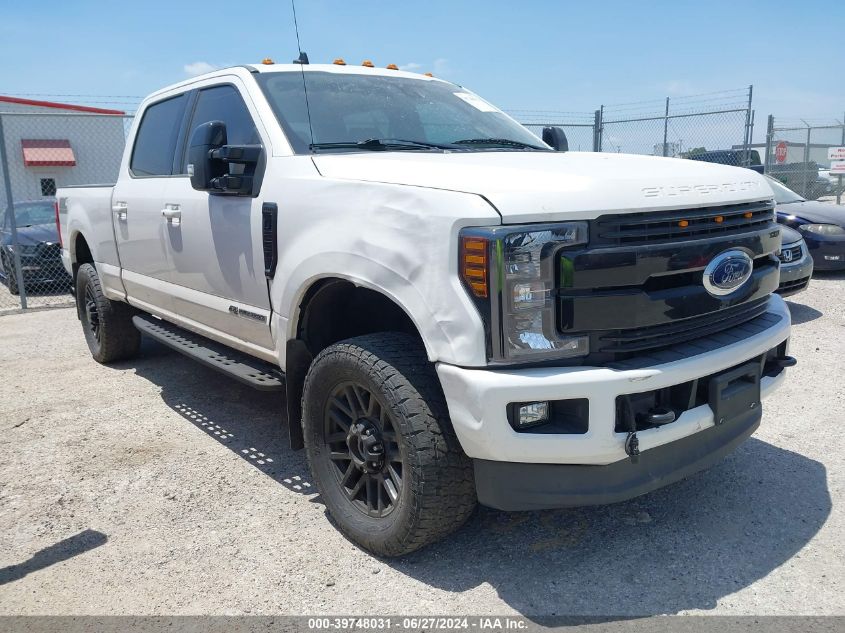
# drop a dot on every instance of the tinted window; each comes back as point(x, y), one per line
point(156, 138)
point(224, 103)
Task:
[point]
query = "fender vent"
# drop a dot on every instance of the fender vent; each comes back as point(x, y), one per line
point(269, 223)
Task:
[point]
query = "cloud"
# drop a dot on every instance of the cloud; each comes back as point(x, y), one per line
point(678, 87)
point(441, 66)
point(410, 67)
point(198, 68)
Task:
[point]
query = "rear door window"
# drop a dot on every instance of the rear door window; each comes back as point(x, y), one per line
point(156, 140)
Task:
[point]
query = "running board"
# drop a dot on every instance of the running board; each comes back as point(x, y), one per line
point(241, 367)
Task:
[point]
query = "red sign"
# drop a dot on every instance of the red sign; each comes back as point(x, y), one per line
point(780, 152)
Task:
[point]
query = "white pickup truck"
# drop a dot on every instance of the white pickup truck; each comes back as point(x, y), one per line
point(457, 312)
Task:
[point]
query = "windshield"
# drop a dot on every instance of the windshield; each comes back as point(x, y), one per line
point(783, 194)
point(407, 114)
point(31, 213)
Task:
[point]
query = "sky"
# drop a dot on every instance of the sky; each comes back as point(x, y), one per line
point(530, 55)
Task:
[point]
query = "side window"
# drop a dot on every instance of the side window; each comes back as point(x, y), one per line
point(224, 103)
point(155, 142)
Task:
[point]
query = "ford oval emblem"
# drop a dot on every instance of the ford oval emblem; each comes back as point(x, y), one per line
point(727, 272)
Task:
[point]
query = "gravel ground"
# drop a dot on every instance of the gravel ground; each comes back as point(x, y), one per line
point(159, 487)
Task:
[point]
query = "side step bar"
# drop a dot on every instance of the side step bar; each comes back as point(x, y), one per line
point(241, 367)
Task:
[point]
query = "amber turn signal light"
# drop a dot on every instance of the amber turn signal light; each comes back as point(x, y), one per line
point(719, 219)
point(474, 265)
point(748, 215)
point(683, 224)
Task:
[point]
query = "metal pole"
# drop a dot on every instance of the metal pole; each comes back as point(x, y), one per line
point(770, 137)
point(596, 126)
point(839, 186)
point(10, 205)
point(747, 127)
point(601, 127)
point(666, 129)
point(807, 162)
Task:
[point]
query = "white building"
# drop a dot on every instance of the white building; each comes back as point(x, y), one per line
point(50, 145)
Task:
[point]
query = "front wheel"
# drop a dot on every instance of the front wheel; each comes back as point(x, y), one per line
point(381, 447)
point(107, 324)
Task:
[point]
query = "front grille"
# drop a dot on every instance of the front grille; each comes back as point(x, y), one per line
point(49, 251)
point(675, 225)
point(789, 254)
point(791, 286)
point(675, 332)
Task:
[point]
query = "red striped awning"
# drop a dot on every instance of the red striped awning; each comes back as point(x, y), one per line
point(47, 153)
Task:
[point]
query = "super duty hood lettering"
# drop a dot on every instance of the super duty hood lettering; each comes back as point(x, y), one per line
point(550, 186)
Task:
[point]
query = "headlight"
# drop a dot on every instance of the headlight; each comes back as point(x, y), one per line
point(515, 280)
point(822, 229)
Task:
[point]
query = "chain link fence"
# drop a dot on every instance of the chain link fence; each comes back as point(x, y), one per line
point(42, 148)
point(716, 127)
point(796, 152)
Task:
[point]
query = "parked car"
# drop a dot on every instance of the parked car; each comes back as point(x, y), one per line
point(805, 179)
point(821, 225)
point(39, 249)
point(796, 265)
point(734, 157)
point(457, 311)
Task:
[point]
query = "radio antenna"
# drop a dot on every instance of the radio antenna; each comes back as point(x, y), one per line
point(302, 60)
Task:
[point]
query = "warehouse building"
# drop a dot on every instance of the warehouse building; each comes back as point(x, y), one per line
point(51, 145)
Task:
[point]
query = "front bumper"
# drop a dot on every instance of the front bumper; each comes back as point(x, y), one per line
point(828, 252)
point(514, 486)
point(478, 399)
point(795, 276)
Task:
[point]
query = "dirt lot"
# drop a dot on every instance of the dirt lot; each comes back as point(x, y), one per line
point(160, 487)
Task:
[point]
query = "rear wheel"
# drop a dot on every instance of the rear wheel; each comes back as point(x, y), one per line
point(107, 324)
point(381, 447)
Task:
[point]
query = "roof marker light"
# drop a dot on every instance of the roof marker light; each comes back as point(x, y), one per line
point(339, 62)
point(267, 61)
point(368, 63)
point(392, 67)
point(429, 74)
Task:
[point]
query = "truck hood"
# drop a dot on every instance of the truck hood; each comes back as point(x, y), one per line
point(550, 186)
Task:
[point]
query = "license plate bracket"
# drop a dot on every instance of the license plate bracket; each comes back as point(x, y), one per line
point(735, 393)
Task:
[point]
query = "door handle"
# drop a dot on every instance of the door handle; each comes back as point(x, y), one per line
point(172, 213)
point(120, 209)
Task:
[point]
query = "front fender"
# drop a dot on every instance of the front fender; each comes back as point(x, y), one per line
point(399, 241)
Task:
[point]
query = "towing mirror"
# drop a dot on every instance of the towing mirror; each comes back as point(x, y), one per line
point(555, 137)
point(210, 158)
point(201, 168)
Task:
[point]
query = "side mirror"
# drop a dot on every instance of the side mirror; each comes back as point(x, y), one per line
point(555, 137)
point(210, 158)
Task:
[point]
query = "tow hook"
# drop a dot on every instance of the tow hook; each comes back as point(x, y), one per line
point(632, 443)
point(657, 416)
point(785, 361)
point(632, 446)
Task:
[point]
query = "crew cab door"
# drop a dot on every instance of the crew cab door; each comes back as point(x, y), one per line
point(214, 241)
point(137, 202)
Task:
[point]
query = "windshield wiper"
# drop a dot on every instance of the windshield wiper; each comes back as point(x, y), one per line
point(502, 142)
point(376, 144)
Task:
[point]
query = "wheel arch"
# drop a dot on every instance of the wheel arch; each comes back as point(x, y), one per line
point(333, 309)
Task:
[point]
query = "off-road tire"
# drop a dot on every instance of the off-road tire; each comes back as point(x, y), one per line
point(437, 492)
point(114, 338)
